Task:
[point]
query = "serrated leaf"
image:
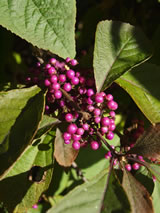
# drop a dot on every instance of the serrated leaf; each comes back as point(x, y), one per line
point(84, 198)
point(46, 24)
point(118, 48)
point(64, 153)
point(115, 199)
point(137, 194)
point(148, 144)
point(25, 126)
point(142, 84)
point(18, 193)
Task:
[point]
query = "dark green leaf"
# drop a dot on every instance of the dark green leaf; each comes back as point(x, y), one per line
point(137, 194)
point(21, 187)
point(118, 48)
point(46, 24)
point(64, 153)
point(156, 197)
point(142, 84)
point(85, 198)
point(24, 113)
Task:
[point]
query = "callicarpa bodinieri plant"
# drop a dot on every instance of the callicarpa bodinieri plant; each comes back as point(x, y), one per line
point(79, 106)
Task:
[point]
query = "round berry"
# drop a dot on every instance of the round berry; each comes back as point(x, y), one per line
point(109, 97)
point(51, 70)
point(112, 105)
point(104, 130)
point(94, 145)
point(82, 80)
point(76, 145)
point(128, 167)
point(112, 114)
point(90, 92)
point(58, 94)
point(97, 111)
point(97, 119)
point(85, 126)
point(76, 137)
point(48, 66)
point(47, 82)
point(67, 87)
point(53, 60)
point(67, 141)
point(55, 86)
point(53, 79)
point(80, 131)
point(68, 59)
point(105, 121)
point(72, 128)
point(68, 117)
point(73, 62)
point(99, 98)
point(70, 74)
point(75, 80)
point(110, 135)
point(111, 127)
point(135, 166)
point(90, 108)
point(62, 78)
point(66, 136)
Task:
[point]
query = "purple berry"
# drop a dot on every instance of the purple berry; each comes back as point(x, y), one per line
point(76, 145)
point(62, 78)
point(76, 137)
point(85, 126)
point(97, 112)
point(110, 135)
point(67, 87)
point(47, 66)
point(94, 145)
point(104, 130)
point(72, 128)
point(53, 79)
point(47, 83)
point(135, 166)
point(112, 105)
point(99, 98)
point(51, 70)
point(97, 119)
point(58, 94)
point(75, 80)
point(112, 114)
point(53, 60)
point(70, 74)
point(105, 121)
point(111, 127)
point(73, 62)
point(90, 108)
point(82, 80)
point(128, 167)
point(89, 101)
point(35, 206)
point(55, 86)
point(69, 117)
point(68, 59)
point(78, 74)
point(67, 141)
point(66, 136)
point(62, 103)
point(109, 97)
point(80, 131)
point(90, 92)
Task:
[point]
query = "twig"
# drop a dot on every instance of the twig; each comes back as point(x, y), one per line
point(79, 172)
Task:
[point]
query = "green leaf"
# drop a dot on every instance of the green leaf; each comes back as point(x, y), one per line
point(148, 144)
point(46, 24)
point(46, 124)
point(142, 84)
point(154, 169)
point(115, 199)
point(21, 113)
point(84, 198)
point(118, 48)
point(137, 194)
point(156, 197)
point(64, 153)
point(18, 190)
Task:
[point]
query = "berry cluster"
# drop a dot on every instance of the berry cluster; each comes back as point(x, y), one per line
point(75, 97)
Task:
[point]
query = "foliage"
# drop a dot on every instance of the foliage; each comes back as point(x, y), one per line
point(50, 161)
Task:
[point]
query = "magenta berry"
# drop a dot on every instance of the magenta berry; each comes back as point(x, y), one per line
point(72, 128)
point(111, 127)
point(94, 145)
point(110, 135)
point(48, 66)
point(73, 62)
point(135, 166)
point(97, 112)
point(66, 136)
point(105, 121)
point(112, 105)
point(67, 87)
point(76, 145)
point(55, 86)
point(112, 114)
point(89, 101)
point(128, 167)
point(90, 92)
point(70, 74)
point(51, 70)
point(68, 59)
point(104, 130)
point(58, 94)
point(99, 98)
point(82, 80)
point(35, 206)
point(62, 78)
point(47, 82)
point(53, 79)
point(97, 119)
point(53, 61)
point(76, 137)
point(90, 108)
point(80, 131)
point(85, 127)
point(68, 117)
point(75, 80)
point(67, 141)
point(109, 97)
